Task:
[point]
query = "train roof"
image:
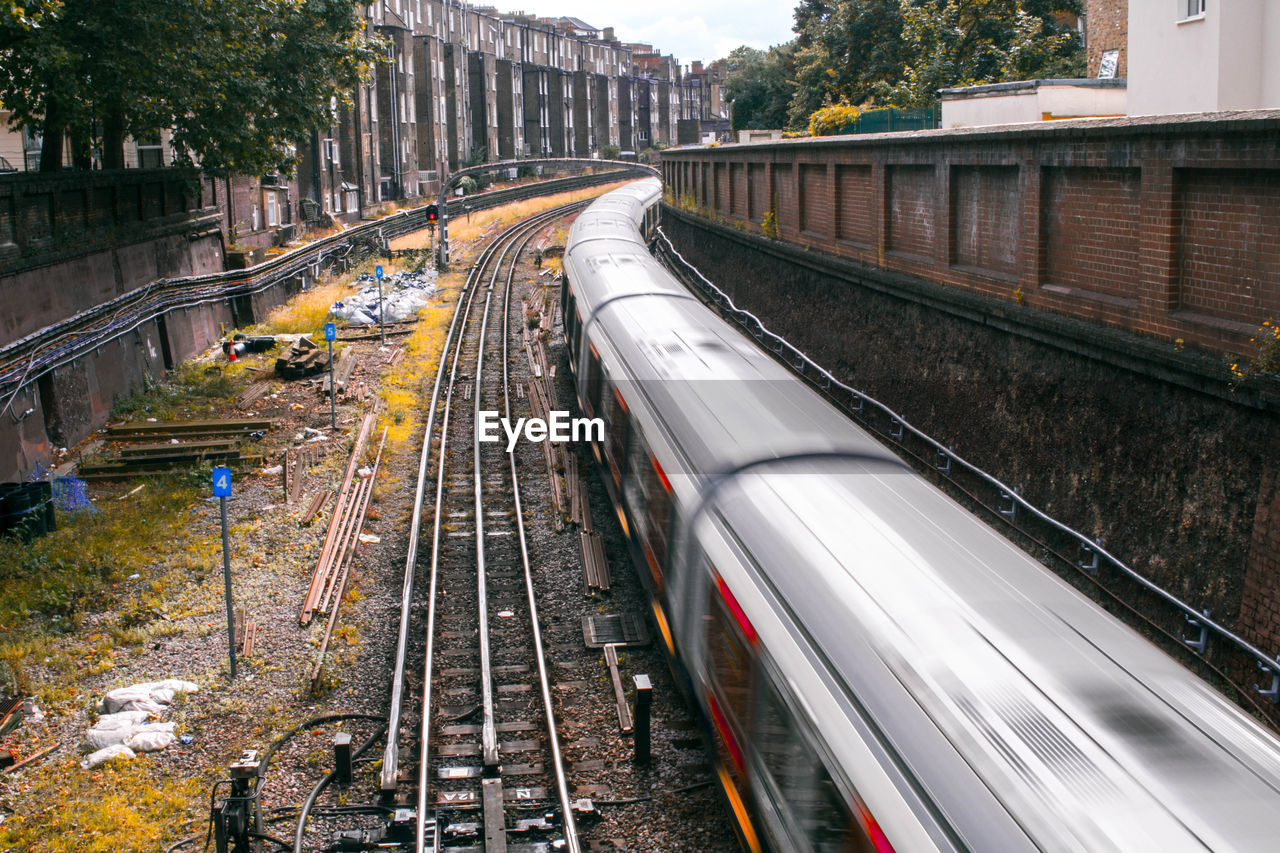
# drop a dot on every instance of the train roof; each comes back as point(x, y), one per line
point(1089, 736)
point(1033, 718)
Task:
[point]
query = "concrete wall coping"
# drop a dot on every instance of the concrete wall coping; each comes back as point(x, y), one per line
point(1222, 123)
point(1022, 85)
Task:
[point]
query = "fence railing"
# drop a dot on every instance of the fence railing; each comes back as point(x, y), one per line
point(1092, 565)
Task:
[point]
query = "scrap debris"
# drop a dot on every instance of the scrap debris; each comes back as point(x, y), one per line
point(304, 358)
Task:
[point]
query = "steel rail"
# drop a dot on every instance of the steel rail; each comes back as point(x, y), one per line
point(800, 363)
point(390, 759)
point(453, 346)
point(557, 758)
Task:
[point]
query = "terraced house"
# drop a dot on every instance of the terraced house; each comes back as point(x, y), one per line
point(465, 85)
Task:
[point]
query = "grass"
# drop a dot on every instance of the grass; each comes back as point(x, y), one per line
point(306, 313)
point(47, 585)
point(405, 389)
point(120, 807)
point(192, 389)
point(462, 229)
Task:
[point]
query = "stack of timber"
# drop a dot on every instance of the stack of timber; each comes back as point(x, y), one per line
point(164, 446)
point(304, 358)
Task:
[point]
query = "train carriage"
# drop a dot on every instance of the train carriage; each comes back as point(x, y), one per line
point(877, 669)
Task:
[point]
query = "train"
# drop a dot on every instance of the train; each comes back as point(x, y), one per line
point(876, 668)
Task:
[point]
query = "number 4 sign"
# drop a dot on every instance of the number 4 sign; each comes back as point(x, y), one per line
point(222, 482)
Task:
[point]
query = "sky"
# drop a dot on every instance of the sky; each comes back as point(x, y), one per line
point(691, 29)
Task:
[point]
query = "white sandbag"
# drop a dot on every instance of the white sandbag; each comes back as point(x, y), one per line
point(151, 738)
point(121, 719)
point(98, 739)
point(177, 685)
point(134, 698)
point(107, 754)
point(149, 696)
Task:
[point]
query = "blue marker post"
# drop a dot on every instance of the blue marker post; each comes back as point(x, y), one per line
point(222, 491)
point(331, 332)
point(382, 329)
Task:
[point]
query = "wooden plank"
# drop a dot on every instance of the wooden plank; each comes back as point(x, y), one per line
point(624, 712)
point(314, 507)
point(167, 448)
point(223, 426)
point(33, 757)
point(594, 565)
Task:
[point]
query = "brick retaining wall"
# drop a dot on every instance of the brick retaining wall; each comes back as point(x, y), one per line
point(1163, 226)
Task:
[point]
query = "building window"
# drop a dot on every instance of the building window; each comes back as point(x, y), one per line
point(1193, 8)
point(150, 152)
point(271, 202)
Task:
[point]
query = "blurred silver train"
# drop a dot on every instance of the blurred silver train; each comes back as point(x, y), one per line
point(877, 668)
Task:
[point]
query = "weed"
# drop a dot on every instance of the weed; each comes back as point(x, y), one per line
point(1266, 360)
point(770, 225)
point(121, 806)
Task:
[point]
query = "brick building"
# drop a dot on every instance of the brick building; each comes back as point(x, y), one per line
point(462, 85)
point(1107, 33)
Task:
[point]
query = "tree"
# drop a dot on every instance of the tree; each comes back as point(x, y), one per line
point(901, 51)
point(760, 84)
point(239, 82)
point(951, 43)
point(854, 45)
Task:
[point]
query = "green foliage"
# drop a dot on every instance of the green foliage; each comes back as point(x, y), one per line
point(239, 82)
point(952, 43)
point(609, 152)
point(898, 53)
point(1266, 361)
point(834, 119)
point(467, 184)
point(770, 225)
point(760, 85)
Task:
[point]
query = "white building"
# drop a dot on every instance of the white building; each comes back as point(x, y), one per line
point(1194, 56)
point(1032, 100)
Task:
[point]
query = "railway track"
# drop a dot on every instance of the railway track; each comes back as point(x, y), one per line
point(472, 743)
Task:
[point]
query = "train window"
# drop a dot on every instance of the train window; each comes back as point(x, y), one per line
point(616, 426)
point(649, 495)
point(818, 818)
point(729, 655)
point(569, 313)
point(595, 379)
